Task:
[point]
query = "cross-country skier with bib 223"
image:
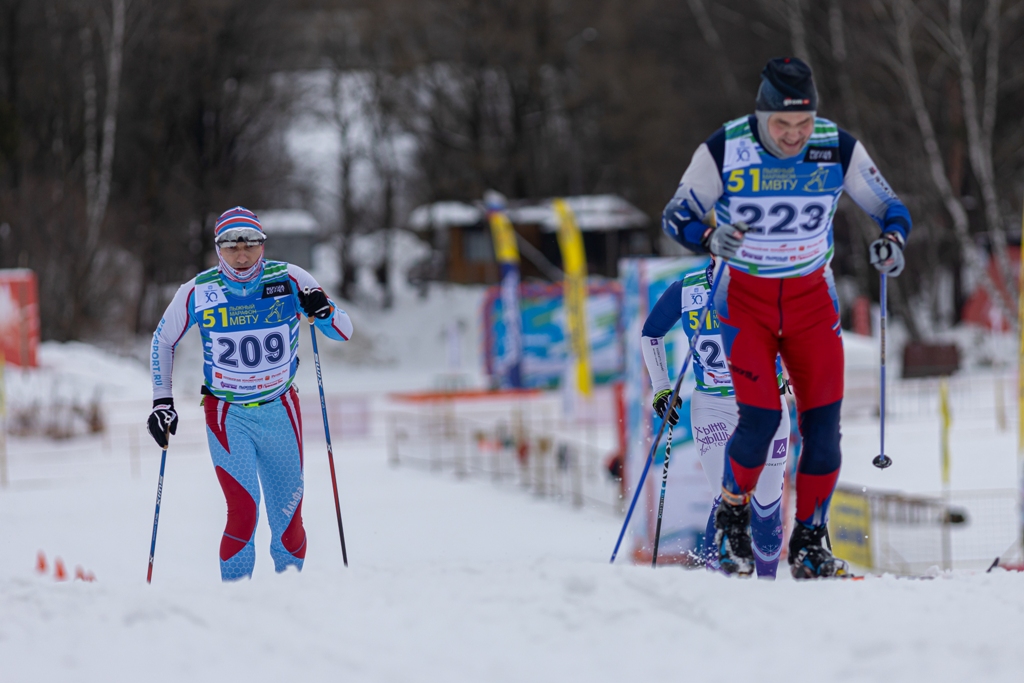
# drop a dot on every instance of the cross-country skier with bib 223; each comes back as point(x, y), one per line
point(248, 311)
point(781, 171)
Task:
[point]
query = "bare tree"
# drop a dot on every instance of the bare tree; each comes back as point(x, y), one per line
point(980, 126)
point(707, 30)
point(797, 30)
point(906, 68)
point(98, 171)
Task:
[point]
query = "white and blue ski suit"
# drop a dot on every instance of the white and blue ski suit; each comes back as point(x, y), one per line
point(713, 413)
point(250, 336)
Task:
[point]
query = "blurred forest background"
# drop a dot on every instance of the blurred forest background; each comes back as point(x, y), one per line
point(126, 124)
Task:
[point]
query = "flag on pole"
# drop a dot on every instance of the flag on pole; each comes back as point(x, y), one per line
point(507, 254)
point(944, 434)
point(574, 262)
point(1020, 387)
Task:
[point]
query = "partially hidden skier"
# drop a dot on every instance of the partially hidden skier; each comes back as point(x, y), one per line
point(248, 311)
point(713, 412)
point(781, 171)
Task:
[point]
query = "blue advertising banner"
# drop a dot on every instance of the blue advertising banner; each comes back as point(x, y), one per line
point(506, 252)
point(545, 348)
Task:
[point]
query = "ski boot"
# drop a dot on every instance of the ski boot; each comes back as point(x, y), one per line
point(810, 554)
point(732, 537)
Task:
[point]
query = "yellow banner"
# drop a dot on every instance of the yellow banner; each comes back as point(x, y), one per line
point(504, 237)
point(574, 262)
point(849, 527)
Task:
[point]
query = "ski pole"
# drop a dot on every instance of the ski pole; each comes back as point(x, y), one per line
point(156, 513)
point(664, 485)
point(671, 402)
point(327, 434)
point(882, 460)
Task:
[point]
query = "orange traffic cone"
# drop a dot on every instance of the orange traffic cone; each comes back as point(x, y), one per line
point(59, 572)
point(79, 573)
point(41, 562)
point(89, 577)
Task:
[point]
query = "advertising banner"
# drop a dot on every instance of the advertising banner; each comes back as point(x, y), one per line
point(545, 351)
point(509, 363)
point(19, 317)
point(849, 527)
point(574, 262)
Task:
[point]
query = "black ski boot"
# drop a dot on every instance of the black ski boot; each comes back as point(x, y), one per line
point(810, 554)
point(732, 538)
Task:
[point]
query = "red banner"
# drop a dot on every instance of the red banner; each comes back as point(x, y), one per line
point(19, 317)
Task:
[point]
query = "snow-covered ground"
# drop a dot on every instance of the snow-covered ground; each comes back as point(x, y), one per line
point(450, 580)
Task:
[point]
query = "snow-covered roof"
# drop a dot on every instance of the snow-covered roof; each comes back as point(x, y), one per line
point(444, 215)
point(593, 213)
point(288, 222)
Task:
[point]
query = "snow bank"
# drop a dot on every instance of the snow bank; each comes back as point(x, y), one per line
point(453, 581)
point(450, 580)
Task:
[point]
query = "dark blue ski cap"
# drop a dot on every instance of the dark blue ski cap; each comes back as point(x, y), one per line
point(787, 84)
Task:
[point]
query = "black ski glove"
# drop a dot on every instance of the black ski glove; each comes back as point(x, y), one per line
point(887, 254)
point(661, 406)
point(315, 304)
point(162, 420)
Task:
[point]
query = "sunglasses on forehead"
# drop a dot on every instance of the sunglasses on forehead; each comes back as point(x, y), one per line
point(247, 237)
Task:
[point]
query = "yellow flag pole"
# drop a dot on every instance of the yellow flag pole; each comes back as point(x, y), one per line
point(1020, 351)
point(947, 557)
point(1020, 384)
point(574, 262)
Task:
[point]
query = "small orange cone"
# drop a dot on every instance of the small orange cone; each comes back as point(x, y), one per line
point(89, 577)
point(79, 573)
point(41, 562)
point(59, 572)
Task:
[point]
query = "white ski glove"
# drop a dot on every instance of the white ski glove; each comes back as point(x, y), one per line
point(887, 254)
point(725, 240)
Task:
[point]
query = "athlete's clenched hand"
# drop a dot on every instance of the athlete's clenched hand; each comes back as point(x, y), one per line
point(315, 304)
point(724, 240)
point(887, 254)
point(162, 420)
point(661, 406)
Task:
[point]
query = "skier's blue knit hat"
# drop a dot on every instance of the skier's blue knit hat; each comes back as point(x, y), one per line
point(787, 84)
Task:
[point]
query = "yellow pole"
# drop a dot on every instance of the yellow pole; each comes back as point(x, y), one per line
point(1020, 385)
point(1020, 352)
point(944, 434)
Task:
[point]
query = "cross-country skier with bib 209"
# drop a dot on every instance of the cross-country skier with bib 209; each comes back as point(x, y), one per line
point(713, 412)
point(248, 311)
point(782, 171)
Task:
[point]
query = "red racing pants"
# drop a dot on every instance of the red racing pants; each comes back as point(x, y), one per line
point(797, 318)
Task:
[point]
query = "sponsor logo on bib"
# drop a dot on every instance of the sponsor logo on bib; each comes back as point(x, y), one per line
point(272, 289)
point(822, 155)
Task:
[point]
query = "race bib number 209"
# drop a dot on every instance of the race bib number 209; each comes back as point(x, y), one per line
point(251, 351)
